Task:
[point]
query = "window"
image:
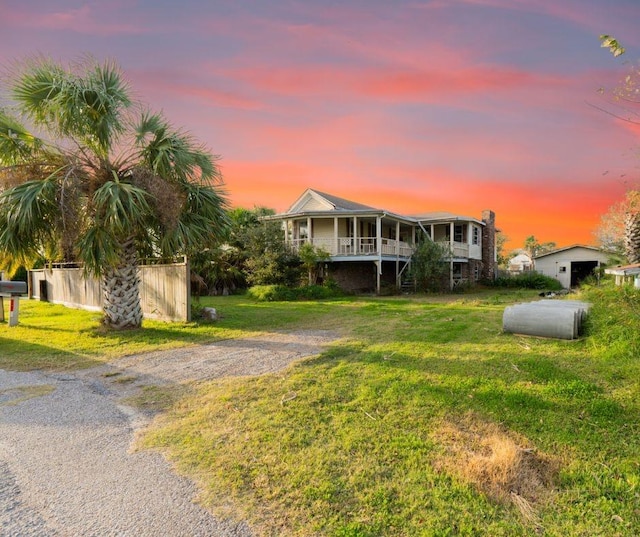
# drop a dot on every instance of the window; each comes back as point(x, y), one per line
point(476, 235)
point(562, 269)
point(458, 233)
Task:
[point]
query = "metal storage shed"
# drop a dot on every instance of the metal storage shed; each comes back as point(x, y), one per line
point(571, 264)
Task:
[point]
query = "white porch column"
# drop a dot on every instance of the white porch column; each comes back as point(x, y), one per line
point(451, 273)
point(451, 233)
point(379, 248)
point(310, 235)
point(398, 254)
point(355, 235)
point(336, 242)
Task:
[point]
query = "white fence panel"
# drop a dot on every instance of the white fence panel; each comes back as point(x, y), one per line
point(165, 291)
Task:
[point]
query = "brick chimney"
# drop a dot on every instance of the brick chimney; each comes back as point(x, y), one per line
point(489, 253)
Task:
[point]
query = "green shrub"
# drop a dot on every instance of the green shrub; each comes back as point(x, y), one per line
point(527, 280)
point(272, 293)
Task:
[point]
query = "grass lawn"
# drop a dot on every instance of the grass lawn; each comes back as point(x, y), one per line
point(422, 419)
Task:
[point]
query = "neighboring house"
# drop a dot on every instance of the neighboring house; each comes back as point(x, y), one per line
point(372, 247)
point(625, 272)
point(520, 263)
point(571, 264)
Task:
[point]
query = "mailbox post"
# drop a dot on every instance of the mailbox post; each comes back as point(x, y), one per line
point(13, 291)
point(14, 310)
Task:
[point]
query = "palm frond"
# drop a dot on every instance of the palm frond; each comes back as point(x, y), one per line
point(17, 144)
point(172, 153)
point(27, 215)
point(37, 87)
point(98, 249)
point(86, 106)
point(203, 221)
point(120, 207)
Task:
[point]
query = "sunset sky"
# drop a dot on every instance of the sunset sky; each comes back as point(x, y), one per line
point(410, 106)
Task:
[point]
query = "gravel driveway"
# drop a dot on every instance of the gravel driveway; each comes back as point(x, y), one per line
point(66, 467)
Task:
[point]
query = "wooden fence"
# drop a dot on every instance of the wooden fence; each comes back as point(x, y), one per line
point(165, 292)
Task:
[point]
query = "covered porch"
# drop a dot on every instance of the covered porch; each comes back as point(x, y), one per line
point(383, 242)
point(349, 236)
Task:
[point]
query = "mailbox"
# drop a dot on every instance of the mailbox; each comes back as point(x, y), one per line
point(13, 288)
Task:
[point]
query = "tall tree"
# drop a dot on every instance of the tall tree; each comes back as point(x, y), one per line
point(619, 230)
point(627, 97)
point(502, 258)
point(533, 247)
point(92, 176)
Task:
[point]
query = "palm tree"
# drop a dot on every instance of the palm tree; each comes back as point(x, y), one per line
point(632, 226)
point(99, 180)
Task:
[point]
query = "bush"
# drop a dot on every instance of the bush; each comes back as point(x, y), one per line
point(613, 320)
point(271, 293)
point(429, 266)
point(527, 280)
point(316, 292)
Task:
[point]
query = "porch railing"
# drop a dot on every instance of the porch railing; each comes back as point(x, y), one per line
point(360, 246)
point(458, 249)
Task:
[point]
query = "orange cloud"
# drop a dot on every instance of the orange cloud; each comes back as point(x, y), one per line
point(550, 210)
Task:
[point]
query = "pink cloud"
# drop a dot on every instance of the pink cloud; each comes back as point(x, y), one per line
point(85, 20)
point(207, 91)
point(390, 82)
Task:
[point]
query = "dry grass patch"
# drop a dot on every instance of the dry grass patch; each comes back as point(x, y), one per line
point(19, 394)
point(502, 465)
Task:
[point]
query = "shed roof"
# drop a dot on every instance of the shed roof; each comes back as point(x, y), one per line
point(565, 248)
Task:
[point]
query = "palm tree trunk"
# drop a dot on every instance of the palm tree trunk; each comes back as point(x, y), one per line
point(121, 292)
point(632, 236)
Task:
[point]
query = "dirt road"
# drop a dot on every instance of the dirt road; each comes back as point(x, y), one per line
point(66, 464)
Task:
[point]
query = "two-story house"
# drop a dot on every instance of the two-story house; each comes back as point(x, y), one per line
point(371, 247)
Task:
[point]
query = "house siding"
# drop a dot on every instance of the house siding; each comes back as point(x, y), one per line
point(314, 205)
point(323, 228)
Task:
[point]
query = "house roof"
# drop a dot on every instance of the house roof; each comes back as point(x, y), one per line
point(624, 270)
point(565, 248)
point(521, 258)
point(316, 203)
point(340, 204)
point(445, 216)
